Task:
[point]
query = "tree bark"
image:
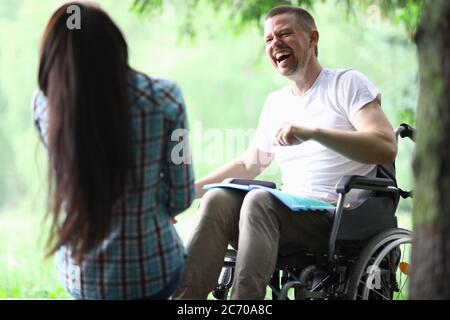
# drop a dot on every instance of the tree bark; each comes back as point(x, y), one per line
point(430, 261)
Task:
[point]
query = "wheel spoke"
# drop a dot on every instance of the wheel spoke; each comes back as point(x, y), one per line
point(374, 291)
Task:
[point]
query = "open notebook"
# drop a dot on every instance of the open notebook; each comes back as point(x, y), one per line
point(295, 203)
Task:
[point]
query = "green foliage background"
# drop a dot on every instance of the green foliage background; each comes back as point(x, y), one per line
point(241, 14)
point(224, 76)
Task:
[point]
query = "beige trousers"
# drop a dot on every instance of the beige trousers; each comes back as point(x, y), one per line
point(256, 224)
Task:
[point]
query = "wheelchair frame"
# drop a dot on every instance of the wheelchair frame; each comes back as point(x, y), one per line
point(332, 275)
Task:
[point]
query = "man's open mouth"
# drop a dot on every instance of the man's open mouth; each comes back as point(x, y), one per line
point(281, 57)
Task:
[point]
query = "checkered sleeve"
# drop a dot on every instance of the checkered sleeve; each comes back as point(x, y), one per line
point(40, 116)
point(179, 159)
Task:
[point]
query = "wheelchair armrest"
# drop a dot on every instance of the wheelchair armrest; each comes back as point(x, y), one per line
point(346, 183)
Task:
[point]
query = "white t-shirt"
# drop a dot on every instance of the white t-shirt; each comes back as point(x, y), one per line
point(311, 169)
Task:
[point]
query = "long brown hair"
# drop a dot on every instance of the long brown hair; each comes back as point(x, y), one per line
point(83, 73)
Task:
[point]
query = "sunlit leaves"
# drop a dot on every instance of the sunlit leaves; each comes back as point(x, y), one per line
point(246, 12)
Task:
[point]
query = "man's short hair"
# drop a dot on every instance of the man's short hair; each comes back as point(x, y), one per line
point(304, 18)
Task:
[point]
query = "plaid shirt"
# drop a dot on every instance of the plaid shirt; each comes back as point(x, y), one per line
point(143, 251)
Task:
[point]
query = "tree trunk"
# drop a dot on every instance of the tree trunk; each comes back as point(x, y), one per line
point(430, 262)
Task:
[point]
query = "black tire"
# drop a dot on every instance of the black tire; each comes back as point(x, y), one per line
point(381, 252)
point(283, 295)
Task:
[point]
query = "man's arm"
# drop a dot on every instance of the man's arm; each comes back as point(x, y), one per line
point(373, 142)
point(247, 166)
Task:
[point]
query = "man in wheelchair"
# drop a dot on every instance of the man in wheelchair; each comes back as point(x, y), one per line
point(324, 125)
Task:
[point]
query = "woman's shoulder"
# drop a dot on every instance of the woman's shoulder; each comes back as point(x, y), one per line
point(153, 92)
point(146, 82)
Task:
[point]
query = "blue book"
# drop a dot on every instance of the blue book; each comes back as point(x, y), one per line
point(295, 203)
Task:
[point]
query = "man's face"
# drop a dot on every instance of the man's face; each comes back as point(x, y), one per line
point(287, 45)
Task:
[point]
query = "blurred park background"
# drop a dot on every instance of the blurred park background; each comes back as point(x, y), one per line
point(225, 78)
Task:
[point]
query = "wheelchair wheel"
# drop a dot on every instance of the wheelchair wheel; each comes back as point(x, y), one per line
point(312, 284)
point(381, 272)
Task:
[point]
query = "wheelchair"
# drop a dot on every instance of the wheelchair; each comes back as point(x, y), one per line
point(368, 255)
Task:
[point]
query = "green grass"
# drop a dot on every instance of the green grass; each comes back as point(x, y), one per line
point(24, 273)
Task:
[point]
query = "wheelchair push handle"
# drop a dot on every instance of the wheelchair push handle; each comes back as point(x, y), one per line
point(406, 131)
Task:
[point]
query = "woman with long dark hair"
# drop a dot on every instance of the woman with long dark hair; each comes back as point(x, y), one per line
point(113, 183)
